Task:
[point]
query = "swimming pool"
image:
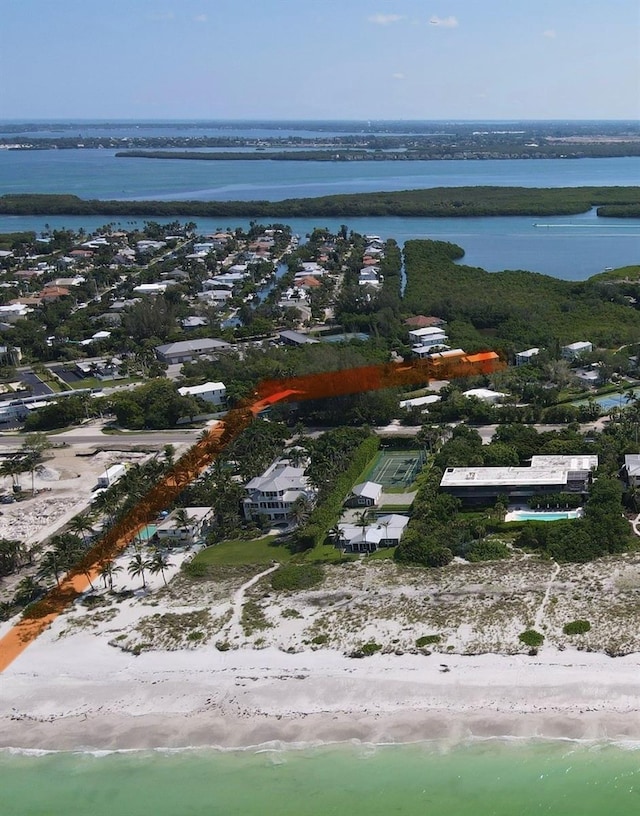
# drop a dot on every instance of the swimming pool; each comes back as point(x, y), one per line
point(535, 515)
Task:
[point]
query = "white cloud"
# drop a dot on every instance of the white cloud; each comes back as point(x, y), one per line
point(385, 19)
point(398, 75)
point(444, 22)
point(551, 33)
point(201, 18)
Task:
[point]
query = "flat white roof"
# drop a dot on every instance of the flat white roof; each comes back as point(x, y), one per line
point(483, 393)
point(205, 388)
point(417, 401)
point(503, 476)
point(428, 331)
point(587, 462)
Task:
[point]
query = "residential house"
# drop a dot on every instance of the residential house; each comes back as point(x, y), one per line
point(485, 394)
point(293, 338)
point(386, 531)
point(172, 531)
point(365, 494)
point(102, 368)
point(213, 392)
point(420, 402)
point(525, 357)
point(184, 351)
point(193, 322)
point(273, 494)
point(13, 312)
point(632, 469)
point(574, 350)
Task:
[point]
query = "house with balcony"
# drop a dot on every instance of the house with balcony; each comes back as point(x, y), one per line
point(273, 494)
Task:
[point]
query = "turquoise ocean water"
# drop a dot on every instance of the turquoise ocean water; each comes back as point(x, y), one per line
point(490, 778)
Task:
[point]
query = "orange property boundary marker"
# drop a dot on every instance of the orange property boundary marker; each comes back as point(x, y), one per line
point(198, 458)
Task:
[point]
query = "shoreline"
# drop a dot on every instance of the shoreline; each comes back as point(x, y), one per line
point(101, 700)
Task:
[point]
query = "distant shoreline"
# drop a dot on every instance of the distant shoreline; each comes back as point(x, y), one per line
point(435, 202)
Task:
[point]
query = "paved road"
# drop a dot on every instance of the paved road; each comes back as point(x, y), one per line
point(92, 437)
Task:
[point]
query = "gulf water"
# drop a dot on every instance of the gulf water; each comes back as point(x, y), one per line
point(489, 778)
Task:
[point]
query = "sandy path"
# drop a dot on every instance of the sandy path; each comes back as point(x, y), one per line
point(537, 624)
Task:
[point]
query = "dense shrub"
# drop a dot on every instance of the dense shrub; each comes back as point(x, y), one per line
point(487, 550)
point(531, 638)
point(576, 627)
point(293, 577)
point(427, 640)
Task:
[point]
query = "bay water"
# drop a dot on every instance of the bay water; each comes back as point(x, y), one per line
point(568, 247)
point(488, 778)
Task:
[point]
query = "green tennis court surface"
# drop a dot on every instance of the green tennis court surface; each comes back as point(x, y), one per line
point(395, 468)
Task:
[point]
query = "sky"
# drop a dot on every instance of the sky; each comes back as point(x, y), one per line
point(320, 59)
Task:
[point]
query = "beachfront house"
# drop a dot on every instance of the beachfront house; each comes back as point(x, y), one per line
point(546, 474)
point(273, 495)
point(385, 531)
point(184, 526)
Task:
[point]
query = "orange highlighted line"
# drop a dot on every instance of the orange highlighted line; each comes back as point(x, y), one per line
point(198, 458)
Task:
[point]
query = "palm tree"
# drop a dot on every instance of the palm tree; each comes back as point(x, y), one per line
point(86, 571)
point(107, 570)
point(82, 523)
point(362, 520)
point(49, 567)
point(13, 467)
point(159, 563)
point(184, 522)
point(137, 567)
point(336, 534)
point(300, 510)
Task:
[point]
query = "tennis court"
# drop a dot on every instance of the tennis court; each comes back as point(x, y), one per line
point(395, 468)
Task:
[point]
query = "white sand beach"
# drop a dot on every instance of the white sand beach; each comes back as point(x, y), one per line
point(75, 688)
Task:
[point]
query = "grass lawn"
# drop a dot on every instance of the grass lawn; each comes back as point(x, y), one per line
point(325, 552)
point(255, 551)
point(383, 552)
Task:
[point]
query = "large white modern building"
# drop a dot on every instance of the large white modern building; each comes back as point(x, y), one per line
point(547, 474)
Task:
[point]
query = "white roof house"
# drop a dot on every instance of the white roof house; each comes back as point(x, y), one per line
point(484, 394)
point(525, 357)
point(632, 468)
point(171, 531)
point(419, 402)
point(386, 531)
point(215, 392)
point(365, 494)
point(274, 493)
point(151, 288)
point(574, 350)
point(186, 350)
point(422, 335)
point(13, 311)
